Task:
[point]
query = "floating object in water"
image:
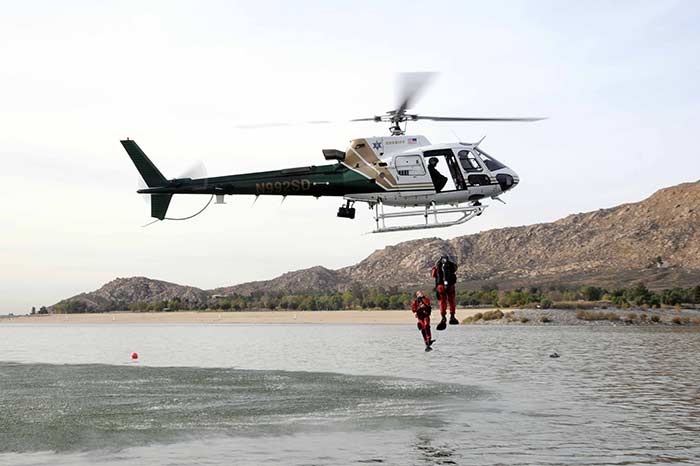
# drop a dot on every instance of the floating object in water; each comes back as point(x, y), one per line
point(554, 355)
point(134, 355)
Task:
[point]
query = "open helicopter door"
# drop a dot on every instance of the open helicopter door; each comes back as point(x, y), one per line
point(446, 162)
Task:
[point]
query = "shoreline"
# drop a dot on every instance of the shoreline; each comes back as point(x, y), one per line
point(466, 316)
point(237, 317)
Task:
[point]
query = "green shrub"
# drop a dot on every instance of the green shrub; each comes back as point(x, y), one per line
point(546, 303)
point(472, 319)
point(591, 315)
point(493, 315)
point(575, 305)
point(643, 317)
point(656, 319)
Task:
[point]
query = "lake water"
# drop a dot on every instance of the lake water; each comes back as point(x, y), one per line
point(345, 394)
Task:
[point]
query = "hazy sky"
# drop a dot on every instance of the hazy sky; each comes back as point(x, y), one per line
point(619, 81)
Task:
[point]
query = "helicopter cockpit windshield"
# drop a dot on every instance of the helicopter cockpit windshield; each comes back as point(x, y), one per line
point(490, 162)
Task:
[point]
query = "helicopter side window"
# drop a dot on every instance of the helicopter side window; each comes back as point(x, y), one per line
point(468, 161)
point(409, 165)
point(491, 163)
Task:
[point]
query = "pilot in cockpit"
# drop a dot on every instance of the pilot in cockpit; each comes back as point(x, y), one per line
point(438, 179)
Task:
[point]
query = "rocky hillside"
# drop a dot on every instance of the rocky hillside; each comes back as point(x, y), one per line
point(656, 241)
point(121, 292)
point(314, 280)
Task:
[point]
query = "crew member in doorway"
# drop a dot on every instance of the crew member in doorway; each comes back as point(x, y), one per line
point(445, 274)
point(421, 309)
point(438, 179)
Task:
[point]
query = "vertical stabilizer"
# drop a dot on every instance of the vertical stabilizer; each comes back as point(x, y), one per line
point(159, 205)
point(150, 174)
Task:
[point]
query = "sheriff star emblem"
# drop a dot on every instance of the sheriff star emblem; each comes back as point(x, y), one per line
point(376, 145)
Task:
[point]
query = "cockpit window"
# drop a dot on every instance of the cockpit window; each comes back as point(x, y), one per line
point(468, 161)
point(491, 163)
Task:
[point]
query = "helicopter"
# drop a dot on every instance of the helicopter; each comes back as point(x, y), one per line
point(399, 171)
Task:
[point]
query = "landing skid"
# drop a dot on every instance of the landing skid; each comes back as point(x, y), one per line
point(431, 215)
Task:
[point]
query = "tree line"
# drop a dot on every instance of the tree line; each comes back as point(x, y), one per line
point(379, 298)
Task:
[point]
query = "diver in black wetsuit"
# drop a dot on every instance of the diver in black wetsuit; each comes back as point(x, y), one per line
point(439, 180)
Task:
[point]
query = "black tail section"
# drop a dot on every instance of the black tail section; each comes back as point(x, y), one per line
point(152, 176)
point(159, 205)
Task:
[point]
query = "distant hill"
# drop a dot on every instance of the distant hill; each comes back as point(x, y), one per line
point(314, 280)
point(122, 292)
point(656, 241)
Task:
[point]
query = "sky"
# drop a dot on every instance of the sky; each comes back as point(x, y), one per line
point(617, 79)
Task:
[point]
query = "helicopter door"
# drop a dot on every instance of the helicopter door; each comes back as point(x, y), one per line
point(446, 162)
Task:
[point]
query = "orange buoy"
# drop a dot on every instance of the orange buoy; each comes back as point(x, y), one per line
point(134, 355)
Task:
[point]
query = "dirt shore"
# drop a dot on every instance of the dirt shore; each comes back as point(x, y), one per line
point(261, 317)
point(518, 317)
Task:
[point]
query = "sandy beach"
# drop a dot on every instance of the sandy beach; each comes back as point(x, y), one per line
point(261, 317)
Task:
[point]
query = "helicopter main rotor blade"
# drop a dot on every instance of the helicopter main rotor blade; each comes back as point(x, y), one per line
point(367, 119)
point(410, 117)
point(261, 125)
point(410, 87)
point(274, 125)
point(437, 118)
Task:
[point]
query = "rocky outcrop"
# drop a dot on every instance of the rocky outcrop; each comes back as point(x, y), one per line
point(122, 292)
